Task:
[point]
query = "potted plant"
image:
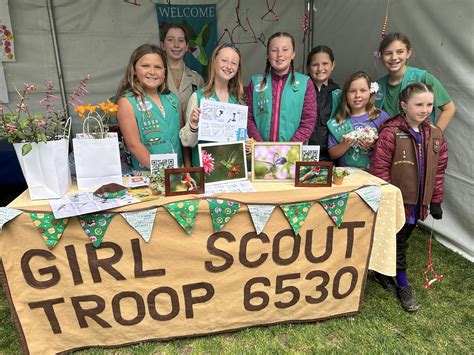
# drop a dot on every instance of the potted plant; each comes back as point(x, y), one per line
point(338, 175)
point(41, 141)
point(157, 182)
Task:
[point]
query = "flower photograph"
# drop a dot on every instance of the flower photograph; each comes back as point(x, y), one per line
point(273, 161)
point(223, 161)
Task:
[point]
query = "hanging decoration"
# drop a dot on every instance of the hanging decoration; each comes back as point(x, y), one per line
point(221, 211)
point(335, 207)
point(296, 214)
point(7, 214)
point(51, 229)
point(371, 196)
point(429, 266)
point(385, 22)
point(305, 25)
point(260, 215)
point(95, 225)
point(184, 212)
point(141, 221)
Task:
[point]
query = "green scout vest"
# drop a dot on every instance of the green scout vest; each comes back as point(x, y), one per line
point(200, 96)
point(336, 102)
point(157, 133)
point(355, 156)
point(412, 75)
point(291, 106)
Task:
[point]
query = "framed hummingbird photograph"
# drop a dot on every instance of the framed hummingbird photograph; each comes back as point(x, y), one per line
point(275, 161)
point(183, 181)
point(223, 161)
point(313, 174)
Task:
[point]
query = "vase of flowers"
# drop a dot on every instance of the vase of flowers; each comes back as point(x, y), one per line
point(157, 182)
point(41, 141)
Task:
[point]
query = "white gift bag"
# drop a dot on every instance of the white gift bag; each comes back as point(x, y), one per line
point(45, 168)
point(97, 161)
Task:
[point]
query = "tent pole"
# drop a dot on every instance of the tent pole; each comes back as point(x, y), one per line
point(56, 55)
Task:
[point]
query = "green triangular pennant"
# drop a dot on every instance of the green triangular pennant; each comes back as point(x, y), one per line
point(184, 212)
point(95, 225)
point(335, 207)
point(296, 214)
point(221, 211)
point(51, 229)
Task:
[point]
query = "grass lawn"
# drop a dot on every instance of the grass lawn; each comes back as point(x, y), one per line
point(444, 324)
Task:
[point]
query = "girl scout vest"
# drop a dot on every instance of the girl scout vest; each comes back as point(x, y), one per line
point(291, 106)
point(157, 133)
point(412, 75)
point(200, 96)
point(355, 156)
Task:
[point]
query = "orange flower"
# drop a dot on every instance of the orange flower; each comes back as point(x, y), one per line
point(83, 108)
point(110, 108)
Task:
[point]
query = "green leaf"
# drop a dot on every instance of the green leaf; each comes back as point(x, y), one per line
point(24, 123)
point(26, 148)
point(42, 137)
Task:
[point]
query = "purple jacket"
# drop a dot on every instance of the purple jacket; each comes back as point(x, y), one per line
point(308, 117)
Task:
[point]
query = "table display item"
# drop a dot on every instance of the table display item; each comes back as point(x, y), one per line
point(338, 175)
point(184, 181)
point(275, 161)
point(313, 174)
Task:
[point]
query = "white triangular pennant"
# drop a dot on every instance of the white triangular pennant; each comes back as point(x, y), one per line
point(260, 215)
point(7, 214)
point(141, 221)
point(371, 196)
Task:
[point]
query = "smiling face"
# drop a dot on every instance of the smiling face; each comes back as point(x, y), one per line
point(320, 68)
point(150, 72)
point(226, 64)
point(280, 54)
point(417, 108)
point(175, 44)
point(394, 57)
point(358, 96)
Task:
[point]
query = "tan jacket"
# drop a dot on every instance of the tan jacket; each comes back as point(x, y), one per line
point(190, 82)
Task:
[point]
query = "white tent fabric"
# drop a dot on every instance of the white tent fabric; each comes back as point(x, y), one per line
point(97, 37)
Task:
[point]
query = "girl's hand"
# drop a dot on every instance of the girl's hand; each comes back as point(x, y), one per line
point(350, 142)
point(366, 144)
point(194, 119)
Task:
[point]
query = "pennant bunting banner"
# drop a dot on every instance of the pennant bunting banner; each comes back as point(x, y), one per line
point(335, 207)
point(184, 212)
point(260, 215)
point(296, 214)
point(371, 196)
point(51, 229)
point(95, 225)
point(141, 221)
point(7, 214)
point(221, 212)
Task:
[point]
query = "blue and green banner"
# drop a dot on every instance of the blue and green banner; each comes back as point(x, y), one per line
point(201, 23)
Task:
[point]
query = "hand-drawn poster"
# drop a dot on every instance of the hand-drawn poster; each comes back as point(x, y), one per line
point(222, 122)
point(7, 53)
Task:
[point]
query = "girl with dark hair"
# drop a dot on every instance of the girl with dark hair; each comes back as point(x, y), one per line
point(282, 102)
point(395, 50)
point(148, 114)
point(320, 64)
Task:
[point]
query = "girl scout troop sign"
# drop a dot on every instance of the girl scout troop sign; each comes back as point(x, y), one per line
point(178, 284)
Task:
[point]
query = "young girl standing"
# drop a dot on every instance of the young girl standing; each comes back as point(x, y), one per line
point(356, 114)
point(320, 64)
point(148, 114)
point(411, 154)
point(282, 102)
point(224, 84)
point(395, 50)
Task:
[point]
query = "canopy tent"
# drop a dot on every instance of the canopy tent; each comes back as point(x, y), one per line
point(97, 37)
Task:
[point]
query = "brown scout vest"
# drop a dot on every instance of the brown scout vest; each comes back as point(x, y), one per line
point(404, 169)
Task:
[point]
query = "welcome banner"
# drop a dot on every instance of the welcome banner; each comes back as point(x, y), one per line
point(200, 22)
point(127, 290)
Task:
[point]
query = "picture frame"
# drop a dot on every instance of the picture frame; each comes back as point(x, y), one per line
point(275, 161)
point(313, 174)
point(184, 181)
point(223, 161)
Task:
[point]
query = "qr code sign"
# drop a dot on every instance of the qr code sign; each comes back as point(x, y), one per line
point(165, 161)
point(311, 153)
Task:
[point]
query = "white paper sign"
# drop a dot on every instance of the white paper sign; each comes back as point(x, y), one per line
point(7, 214)
point(222, 122)
point(229, 186)
point(141, 221)
point(165, 161)
point(260, 215)
point(371, 196)
point(311, 153)
point(85, 202)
